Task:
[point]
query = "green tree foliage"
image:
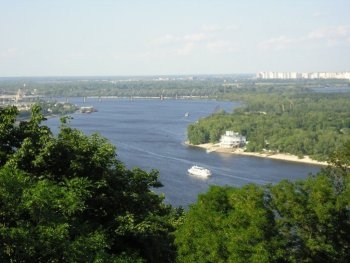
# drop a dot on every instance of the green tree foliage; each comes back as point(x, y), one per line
point(227, 225)
point(57, 108)
point(314, 216)
point(299, 124)
point(9, 133)
point(122, 87)
point(67, 198)
point(303, 221)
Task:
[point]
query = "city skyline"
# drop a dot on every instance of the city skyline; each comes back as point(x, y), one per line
point(99, 38)
point(303, 75)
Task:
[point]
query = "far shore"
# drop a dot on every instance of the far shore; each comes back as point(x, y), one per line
point(211, 147)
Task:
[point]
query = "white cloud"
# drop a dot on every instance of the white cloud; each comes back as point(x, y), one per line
point(211, 28)
point(196, 37)
point(9, 53)
point(217, 28)
point(326, 36)
point(231, 28)
point(278, 43)
point(211, 38)
point(218, 44)
point(186, 49)
point(332, 42)
point(331, 32)
point(178, 45)
point(164, 40)
point(317, 14)
point(221, 46)
point(75, 55)
point(169, 39)
point(331, 36)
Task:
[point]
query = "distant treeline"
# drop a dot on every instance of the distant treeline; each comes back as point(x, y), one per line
point(119, 87)
point(220, 86)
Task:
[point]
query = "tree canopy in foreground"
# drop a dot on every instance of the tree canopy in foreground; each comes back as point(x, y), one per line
point(67, 198)
point(303, 221)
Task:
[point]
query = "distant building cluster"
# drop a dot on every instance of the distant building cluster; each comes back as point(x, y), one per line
point(303, 75)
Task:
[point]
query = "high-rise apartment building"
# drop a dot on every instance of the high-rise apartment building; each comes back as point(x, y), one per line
point(303, 75)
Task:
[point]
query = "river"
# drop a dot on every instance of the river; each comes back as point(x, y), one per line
point(150, 134)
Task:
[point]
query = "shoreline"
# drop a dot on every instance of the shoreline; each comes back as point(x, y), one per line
point(210, 147)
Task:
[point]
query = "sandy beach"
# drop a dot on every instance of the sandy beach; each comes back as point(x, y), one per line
point(210, 147)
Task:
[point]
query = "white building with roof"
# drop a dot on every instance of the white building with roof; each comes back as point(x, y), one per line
point(232, 139)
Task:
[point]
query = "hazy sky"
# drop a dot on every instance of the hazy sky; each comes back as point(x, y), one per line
point(151, 37)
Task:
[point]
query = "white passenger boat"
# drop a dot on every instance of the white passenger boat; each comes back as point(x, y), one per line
point(199, 171)
point(87, 109)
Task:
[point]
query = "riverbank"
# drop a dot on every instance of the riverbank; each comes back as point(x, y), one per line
point(210, 147)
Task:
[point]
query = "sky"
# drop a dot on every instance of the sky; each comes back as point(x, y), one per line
point(179, 37)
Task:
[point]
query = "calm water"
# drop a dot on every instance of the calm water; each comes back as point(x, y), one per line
point(151, 133)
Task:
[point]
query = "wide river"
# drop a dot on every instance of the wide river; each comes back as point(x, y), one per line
point(150, 134)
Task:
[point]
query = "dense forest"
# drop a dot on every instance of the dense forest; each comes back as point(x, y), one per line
point(66, 197)
point(292, 121)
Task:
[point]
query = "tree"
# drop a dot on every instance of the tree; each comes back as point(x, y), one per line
point(302, 221)
point(9, 137)
point(227, 225)
point(67, 198)
point(312, 218)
